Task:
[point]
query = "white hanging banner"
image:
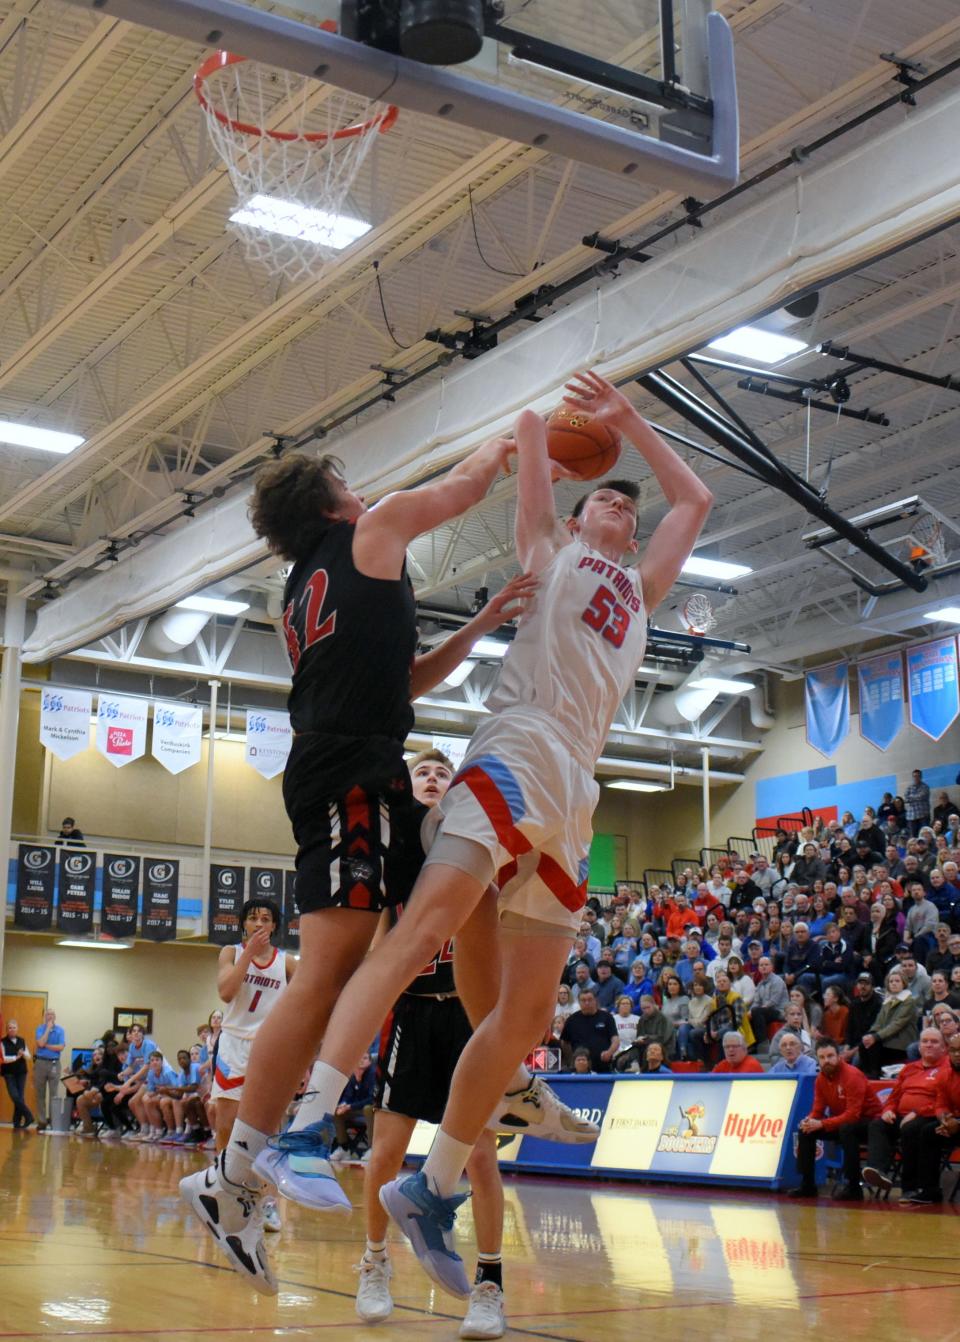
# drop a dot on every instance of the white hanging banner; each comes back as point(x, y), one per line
point(269, 738)
point(121, 728)
point(177, 729)
point(65, 721)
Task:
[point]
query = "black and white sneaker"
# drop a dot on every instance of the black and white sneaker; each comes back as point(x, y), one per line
point(539, 1112)
point(233, 1214)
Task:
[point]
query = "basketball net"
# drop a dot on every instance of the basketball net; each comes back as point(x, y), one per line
point(697, 614)
point(293, 148)
point(927, 544)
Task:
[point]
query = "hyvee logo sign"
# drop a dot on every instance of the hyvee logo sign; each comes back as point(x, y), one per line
point(753, 1127)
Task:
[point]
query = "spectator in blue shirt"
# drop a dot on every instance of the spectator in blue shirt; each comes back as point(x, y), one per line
point(51, 1042)
point(180, 1102)
point(793, 1061)
point(351, 1112)
point(160, 1076)
point(639, 986)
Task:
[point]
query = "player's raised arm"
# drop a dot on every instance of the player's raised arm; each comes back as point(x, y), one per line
point(434, 666)
point(689, 498)
point(538, 533)
point(383, 533)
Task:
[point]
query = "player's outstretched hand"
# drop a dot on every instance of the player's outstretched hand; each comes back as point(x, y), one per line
point(590, 392)
point(510, 602)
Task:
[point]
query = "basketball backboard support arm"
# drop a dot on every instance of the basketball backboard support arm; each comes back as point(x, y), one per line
point(432, 91)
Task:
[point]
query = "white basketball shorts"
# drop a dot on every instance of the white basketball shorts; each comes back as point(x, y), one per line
point(233, 1054)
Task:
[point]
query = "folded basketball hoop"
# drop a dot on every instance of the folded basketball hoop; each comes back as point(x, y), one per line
point(293, 148)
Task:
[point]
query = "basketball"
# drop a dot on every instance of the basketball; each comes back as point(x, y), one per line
point(581, 444)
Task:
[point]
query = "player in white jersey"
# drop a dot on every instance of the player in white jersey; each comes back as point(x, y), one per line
point(252, 976)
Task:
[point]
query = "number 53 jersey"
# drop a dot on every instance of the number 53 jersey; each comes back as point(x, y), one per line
point(577, 648)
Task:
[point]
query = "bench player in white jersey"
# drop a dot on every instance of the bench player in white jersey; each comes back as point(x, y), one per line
point(520, 808)
point(252, 976)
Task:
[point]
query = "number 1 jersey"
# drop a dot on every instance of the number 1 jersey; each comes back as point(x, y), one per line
point(257, 995)
point(577, 648)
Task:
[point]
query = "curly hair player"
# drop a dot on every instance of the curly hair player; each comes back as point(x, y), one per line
point(520, 808)
point(350, 626)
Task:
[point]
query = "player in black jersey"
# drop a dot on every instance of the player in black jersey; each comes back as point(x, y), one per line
point(420, 1045)
point(350, 628)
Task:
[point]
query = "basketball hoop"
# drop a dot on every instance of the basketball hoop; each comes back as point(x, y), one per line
point(697, 614)
point(927, 545)
point(293, 149)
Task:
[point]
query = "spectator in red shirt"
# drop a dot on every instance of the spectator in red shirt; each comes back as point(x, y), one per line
point(935, 1139)
point(735, 1055)
point(843, 1105)
point(910, 1110)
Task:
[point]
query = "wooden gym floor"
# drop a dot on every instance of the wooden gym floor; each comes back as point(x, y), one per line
point(94, 1243)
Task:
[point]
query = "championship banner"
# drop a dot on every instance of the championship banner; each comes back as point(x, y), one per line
point(121, 886)
point(226, 901)
point(161, 884)
point(177, 729)
point(65, 721)
point(269, 738)
point(33, 908)
point(78, 873)
point(267, 883)
point(881, 699)
point(290, 938)
point(121, 728)
point(932, 673)
point(827, 697)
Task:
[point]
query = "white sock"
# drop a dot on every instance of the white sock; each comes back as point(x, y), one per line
point(236, 1161)
point(445, 1164)
point(322, 1095)
point(376, 1249)
point(520, 1080)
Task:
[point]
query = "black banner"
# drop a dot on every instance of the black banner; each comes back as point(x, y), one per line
point(75, 891)
point(121, 886)
point(267, 883)
point(226, 900)
point(161, 883)
point(34, 903)
point(290, 940)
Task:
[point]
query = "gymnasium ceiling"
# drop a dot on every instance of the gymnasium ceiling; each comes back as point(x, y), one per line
point(129, 314)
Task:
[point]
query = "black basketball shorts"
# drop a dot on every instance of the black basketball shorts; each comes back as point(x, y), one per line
point(355, 822)
point(420, 1046)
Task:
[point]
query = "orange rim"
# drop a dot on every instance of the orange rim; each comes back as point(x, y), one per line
point(221, 59)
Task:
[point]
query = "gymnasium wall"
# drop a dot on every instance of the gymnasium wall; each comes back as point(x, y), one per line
point(178, 982)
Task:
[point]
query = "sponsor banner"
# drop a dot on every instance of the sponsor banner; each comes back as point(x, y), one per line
point(454, 747)
point(226, 900)
point(33, 907)
point(691, 1127)
point(121, 728)
point(121, 886)
point(269, 737)
point(267, 883)
point(65, 721)
point(75, 891)
point(290, 939)
point(827, 696)
point(932, 676)
point(161, 884)
point(881, 698)
point(177, 729)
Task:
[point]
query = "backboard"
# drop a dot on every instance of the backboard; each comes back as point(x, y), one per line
point(636, 87)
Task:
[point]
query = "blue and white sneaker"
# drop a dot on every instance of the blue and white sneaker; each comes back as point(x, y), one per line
point(298, 1165)
point(427, 1221)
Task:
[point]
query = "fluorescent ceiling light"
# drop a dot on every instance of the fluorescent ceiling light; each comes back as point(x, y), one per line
point(752, 342)
point(45, 440)
point(949, 614)
point(221, 735)
point(213, 605)
point(95, 945)
point(635, 785)
point(701, 567)
point(489, 647)
point(720, 685)
point(459, 673)
point(292, 220)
